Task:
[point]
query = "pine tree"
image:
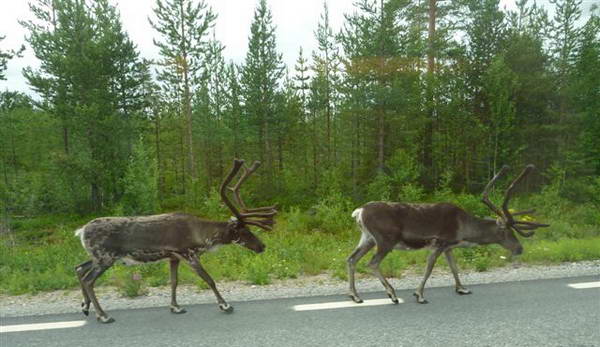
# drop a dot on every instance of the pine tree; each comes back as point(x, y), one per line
point(326, 65)
point(563, 43)
point(371, 40)
point(90, 78)
point(585, 92)
point(184, 26)
point(301, 78)
point(234, 120)
point(6, 56)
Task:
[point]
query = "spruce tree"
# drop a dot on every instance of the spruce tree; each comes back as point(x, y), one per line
point(261, 74)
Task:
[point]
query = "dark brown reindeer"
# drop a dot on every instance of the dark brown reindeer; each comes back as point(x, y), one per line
point(173, 236)
point(440, 227)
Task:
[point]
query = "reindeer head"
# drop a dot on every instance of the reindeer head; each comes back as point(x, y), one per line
point(261, 217)
point(506, 225)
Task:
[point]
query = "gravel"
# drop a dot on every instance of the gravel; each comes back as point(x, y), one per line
point(68, 301)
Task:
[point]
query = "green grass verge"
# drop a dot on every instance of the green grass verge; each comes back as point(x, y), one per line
point(41, 253)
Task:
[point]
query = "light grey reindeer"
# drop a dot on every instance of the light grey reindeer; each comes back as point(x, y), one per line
point(439, 227)
point(173, 236)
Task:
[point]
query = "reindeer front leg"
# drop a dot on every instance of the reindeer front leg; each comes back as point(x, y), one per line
point(175, 308)
point(452, 263)
point(430, 263)
point(195, 264)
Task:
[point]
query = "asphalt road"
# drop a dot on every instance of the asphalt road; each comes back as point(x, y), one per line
point(529, 313)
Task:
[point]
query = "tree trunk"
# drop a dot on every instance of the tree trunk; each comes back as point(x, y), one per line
point(429, 126)
point(187, 102)
point(381, 139)
point(158, 159)
point(66, 139)
point(382, 82)
point(95, 196)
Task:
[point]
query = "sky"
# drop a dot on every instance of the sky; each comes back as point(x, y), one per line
point(295, 23)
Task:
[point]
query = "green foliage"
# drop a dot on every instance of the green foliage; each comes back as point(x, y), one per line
point(213, 207)
point(380, 188)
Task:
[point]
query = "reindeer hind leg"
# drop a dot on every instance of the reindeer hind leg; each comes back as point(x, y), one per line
point(364, 246)
point(88, 282)
point(81, 270)
point(374, 265)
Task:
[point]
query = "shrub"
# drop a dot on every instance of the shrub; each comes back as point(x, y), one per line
point(140, 183)
point(380, 188)
point(213, 207)
point(258, 271)
point(129, 282)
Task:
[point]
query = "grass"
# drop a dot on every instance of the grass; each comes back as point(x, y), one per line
point(41, 253)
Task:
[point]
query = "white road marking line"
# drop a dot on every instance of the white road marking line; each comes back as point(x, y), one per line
point(343, 304)
point(41, 326)
point(585, 285)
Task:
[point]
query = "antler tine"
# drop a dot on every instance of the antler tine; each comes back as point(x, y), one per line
point(265, 214)
point(250, 212)
point(237, 165)
point(260, 209)
point(236, 189)
point(509, 191)
point(532, 224)
point(521, 232)
point(531, 211)
point(485, 197)
point(264, 225)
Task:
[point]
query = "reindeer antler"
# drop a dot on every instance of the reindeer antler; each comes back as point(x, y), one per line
point(264, 215)
point(485, 197)
point(505, 214)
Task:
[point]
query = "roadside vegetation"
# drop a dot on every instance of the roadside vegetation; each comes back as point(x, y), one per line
point(41, 252)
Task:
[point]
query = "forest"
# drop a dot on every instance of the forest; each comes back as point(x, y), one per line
point(413, 101)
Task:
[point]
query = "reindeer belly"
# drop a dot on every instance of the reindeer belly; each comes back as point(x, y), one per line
point(141, 256)
point(426, 243)
point(407, 245)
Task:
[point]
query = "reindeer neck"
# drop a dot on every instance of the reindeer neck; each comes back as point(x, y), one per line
point(211, 233)
point(480, 230)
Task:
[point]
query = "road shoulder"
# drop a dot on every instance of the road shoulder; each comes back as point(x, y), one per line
point(68, 301)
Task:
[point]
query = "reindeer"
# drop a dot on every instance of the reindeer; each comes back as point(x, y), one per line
point(172, 236)
point(440, 227)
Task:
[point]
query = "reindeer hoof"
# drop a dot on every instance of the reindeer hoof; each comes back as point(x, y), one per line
point(394, 298)
point(177, 310)
point(85, 309)
point(105, 319)
point(463, 291)
point(420, 299)
point(355, 298)
point(226, 308)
